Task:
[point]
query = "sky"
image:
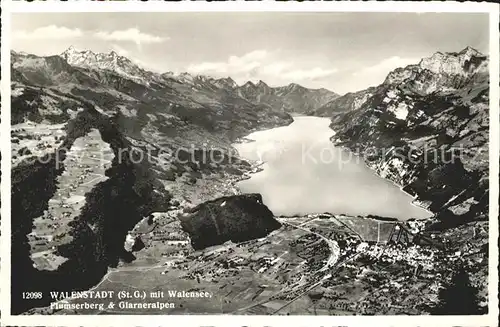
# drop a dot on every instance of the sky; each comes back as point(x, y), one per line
point(343, 52)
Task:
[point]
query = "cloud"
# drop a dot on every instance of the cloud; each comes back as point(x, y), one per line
point(310, 74)
point(262, 64)
point(120, 50)
point(376, 74)
point(126, 53)
point(49, 32)
point(133, 35)
point(130, 35)
point(234, 64)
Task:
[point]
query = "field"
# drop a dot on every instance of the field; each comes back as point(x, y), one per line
point(84, 167)
point(278, 274)
point(313, 265)
point(237, 276)
point(30, 139)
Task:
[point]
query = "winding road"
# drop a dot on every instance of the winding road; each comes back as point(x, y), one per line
point(334, 248)
point(331, 261)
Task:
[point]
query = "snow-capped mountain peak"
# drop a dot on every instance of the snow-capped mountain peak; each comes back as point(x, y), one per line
point(450, 63)
point(123, 66)
point(111, 61)
point(70, 49)
point(185, 78)
point(441, 71)
point(89, 59)
point(227, 82)
point(470, 51)
point(249, 84)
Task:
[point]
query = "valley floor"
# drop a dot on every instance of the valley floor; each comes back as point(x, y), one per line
point(315, 264)
point(95, 211)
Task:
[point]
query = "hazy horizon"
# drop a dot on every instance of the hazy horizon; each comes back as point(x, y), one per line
point(342, 52)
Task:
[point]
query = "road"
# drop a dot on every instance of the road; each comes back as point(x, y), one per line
point(332, 259)
point(332, 262)
point(334, 248)
point(325, 278)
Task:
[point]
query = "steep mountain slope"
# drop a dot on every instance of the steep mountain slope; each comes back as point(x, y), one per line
point(426, 128)
point(106, 153)
point(108, 61)
point(97, 145)
point(429, 125)
point(290, 98)
point(215, 222)
point(347, 102)
point(440, 72)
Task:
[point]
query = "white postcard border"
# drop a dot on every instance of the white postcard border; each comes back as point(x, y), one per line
point(231, 320)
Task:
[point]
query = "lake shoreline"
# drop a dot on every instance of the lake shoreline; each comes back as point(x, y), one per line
point(260, 166)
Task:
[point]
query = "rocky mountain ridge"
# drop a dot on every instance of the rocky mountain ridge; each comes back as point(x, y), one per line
point(427, 122)
point(93, 137)
point(289, 98)
point(426, 128)
point(112, 61)
point(441, 72)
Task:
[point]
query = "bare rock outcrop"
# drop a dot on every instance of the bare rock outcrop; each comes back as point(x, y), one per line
point(236, 218)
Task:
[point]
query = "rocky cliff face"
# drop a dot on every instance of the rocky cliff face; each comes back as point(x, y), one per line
point(347, 102)
point(236, 218)
point(291, 98)
point(97, 145)
point(79, 242)
point(426, 128)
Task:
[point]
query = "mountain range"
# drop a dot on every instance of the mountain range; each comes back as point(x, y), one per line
point(432, 120)
point(440, 72)
point(61, 102)
point(426, 128)
point(119, 110)
point(290, 98)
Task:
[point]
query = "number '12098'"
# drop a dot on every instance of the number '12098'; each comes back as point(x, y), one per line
point(32, 295)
